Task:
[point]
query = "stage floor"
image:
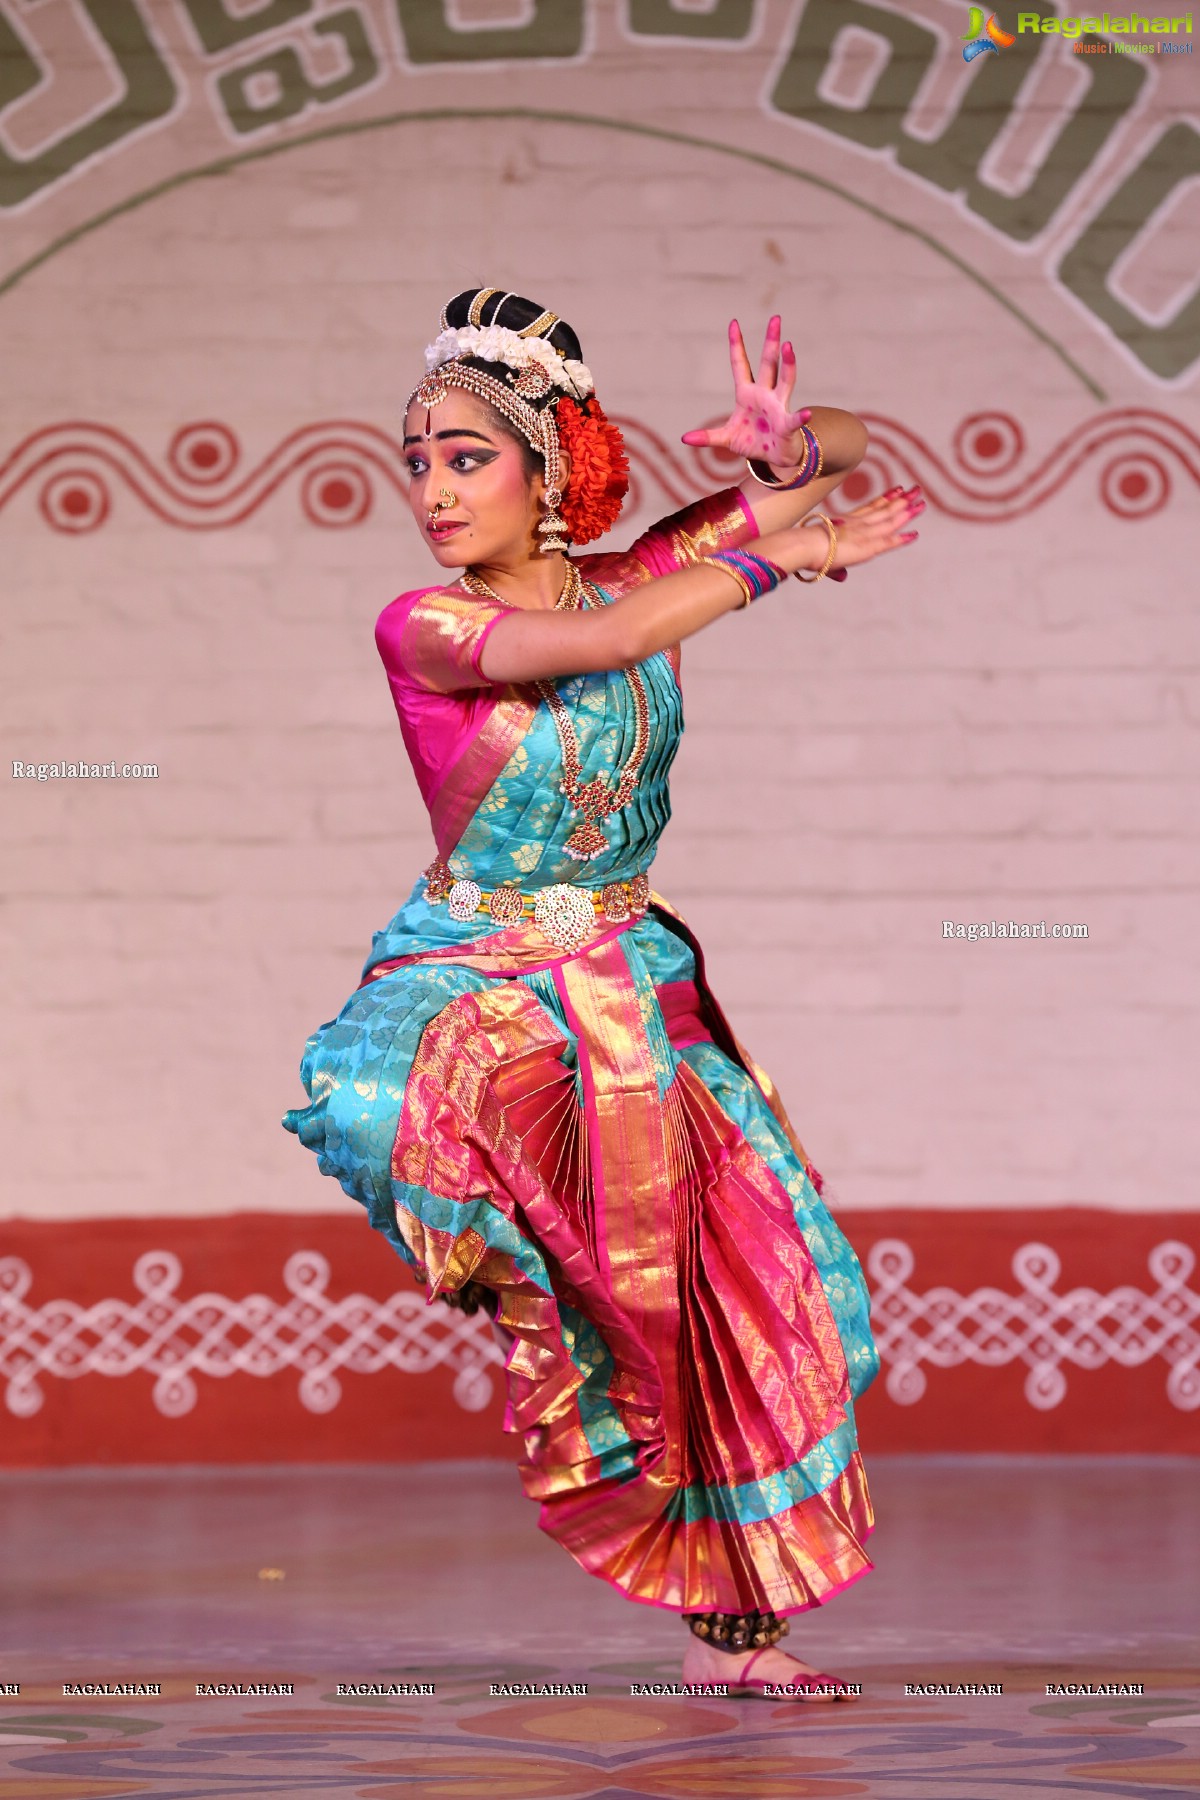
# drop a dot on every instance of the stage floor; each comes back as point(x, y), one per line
point(1022, 1571)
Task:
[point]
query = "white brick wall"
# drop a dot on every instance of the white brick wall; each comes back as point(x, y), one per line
point(999, 722)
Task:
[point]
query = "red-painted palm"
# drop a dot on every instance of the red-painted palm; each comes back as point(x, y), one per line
point(761, 423)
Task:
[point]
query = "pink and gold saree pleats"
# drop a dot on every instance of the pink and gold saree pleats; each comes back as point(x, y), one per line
point(667, 1465)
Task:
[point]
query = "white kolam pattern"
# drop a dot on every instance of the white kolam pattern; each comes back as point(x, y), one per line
point(177, 1339)
point(1037, 1325)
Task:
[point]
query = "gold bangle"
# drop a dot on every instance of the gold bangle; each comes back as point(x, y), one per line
point(783, 487)
point(776, 487)
point(747, 595)
point(828, 563)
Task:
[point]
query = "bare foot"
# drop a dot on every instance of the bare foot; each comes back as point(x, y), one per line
point(701, 1663)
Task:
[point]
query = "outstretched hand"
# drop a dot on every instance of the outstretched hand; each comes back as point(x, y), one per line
point(760, 424)
point(878, 525)
point(865, 532)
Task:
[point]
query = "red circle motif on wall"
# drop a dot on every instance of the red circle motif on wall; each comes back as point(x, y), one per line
point(75, 500)
point(336, 493)
point(1135, 456)
point(872, 476)
point(204, 452)
point(1135, 485)
point(988, 443)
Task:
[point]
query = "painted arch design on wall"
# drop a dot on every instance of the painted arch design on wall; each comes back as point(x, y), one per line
point(755, 159)
point(255, 72)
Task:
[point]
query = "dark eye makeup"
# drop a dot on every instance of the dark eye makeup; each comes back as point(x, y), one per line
point(462, 462)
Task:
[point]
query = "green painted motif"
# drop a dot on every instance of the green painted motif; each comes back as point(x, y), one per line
point(148, 94)
point(1169, 349)
point(953, 160)
point(295, 92)
point(220, 29)
point(725, 19)
point(553, 29)
point(428, 33)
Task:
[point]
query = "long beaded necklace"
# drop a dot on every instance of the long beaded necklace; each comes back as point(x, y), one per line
point(595, 799)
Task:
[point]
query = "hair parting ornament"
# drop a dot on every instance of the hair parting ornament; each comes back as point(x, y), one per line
point(547, 395)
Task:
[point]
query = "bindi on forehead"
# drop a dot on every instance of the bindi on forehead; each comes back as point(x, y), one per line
point(454, 431)
point(457, 416)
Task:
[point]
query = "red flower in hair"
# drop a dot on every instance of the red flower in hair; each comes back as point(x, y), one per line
point(599, 478)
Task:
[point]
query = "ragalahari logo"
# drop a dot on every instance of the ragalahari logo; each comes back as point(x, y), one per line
point(985, 37)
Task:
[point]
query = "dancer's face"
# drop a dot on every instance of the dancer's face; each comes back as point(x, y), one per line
point(457, 445)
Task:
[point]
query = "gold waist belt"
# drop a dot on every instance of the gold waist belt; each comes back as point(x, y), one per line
point(563, 912)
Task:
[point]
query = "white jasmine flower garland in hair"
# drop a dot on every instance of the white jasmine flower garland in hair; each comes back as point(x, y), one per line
point(495, 343)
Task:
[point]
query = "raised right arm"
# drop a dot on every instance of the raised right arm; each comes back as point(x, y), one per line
point(533, 645)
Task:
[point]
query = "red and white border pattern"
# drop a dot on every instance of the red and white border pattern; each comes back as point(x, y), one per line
point(336, 470)
point(255, 1337)
point(175, 1339)
point(1036, 1325)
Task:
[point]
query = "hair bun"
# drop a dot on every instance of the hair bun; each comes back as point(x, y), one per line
point(492, 306)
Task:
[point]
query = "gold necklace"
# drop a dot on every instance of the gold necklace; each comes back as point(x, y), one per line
point(595, 799)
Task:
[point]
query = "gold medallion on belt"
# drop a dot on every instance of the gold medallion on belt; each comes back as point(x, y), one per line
point(563, 913)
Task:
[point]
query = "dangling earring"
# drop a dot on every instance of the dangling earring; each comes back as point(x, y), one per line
point(553, 528)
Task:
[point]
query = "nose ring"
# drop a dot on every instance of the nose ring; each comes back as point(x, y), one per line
point(445, 498)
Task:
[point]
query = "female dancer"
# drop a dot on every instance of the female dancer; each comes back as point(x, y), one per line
point(532, 1090)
